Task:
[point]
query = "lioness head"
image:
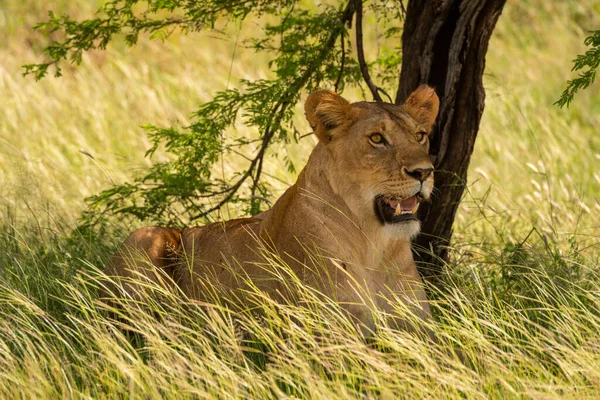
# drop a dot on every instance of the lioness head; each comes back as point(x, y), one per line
point(378, 155)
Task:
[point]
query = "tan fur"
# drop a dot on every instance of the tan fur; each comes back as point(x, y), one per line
point(324, 225)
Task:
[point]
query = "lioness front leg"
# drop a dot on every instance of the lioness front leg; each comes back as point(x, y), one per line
point(147, 256)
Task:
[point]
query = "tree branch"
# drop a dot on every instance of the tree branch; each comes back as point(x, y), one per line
point(277, 114)
point(361, 53)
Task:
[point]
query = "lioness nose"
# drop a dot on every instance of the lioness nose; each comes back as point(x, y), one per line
point(419, 173)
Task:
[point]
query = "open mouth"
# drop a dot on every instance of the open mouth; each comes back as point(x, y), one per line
point(392, 210)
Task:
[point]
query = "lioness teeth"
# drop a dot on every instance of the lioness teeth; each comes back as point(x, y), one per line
point(398, 210)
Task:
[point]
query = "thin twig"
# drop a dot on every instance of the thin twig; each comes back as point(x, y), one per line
point(261, 198)
point(361, 53)
point(385, 93)
point(287, 16)
point(339, 78)
point(305, 135)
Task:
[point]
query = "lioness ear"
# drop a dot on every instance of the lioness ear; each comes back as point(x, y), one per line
point(325, 111)
point(423, 105)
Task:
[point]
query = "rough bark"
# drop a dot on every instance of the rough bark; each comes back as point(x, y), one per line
point(444, 45)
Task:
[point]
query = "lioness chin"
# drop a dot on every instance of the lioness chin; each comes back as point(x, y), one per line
point(352, 213)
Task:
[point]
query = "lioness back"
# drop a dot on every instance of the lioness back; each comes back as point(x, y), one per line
point(222, 251)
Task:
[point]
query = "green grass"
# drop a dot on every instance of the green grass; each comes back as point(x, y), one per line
point(520, 305)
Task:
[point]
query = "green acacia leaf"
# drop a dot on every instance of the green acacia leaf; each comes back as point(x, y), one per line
point(589, 62)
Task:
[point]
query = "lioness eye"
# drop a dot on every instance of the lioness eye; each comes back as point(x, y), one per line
point(421, 136)
point(377, 138)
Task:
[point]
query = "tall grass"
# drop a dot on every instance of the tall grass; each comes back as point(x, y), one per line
point(539, 341)
point(518, 317)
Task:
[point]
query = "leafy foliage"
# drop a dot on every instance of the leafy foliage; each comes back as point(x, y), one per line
point(132, 17)
point(588, 61)
point(311, 48)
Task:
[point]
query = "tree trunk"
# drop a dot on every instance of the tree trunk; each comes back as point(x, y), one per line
point(444, 45)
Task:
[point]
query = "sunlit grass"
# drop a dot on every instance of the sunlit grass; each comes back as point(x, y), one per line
point(541, 339)
point(539, 162)
point(519, 314)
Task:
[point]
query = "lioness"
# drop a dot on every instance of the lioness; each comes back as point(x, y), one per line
point(352, 212)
